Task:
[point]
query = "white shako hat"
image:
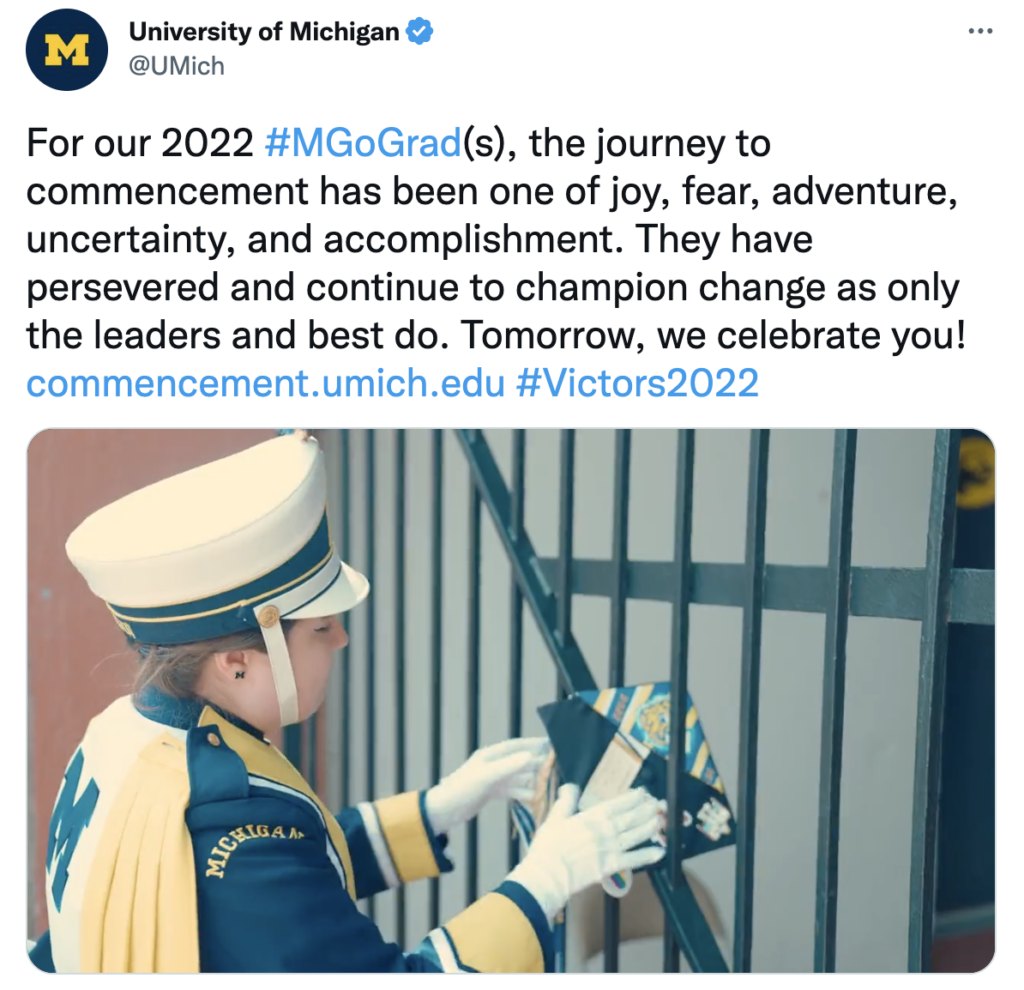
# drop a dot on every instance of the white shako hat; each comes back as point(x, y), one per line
point(240, 543)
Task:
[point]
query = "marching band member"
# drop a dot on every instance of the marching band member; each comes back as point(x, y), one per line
point(181, 840)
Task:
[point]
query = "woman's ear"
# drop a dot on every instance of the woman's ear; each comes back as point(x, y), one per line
point(232, 665)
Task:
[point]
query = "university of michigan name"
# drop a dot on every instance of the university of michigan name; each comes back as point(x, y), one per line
point(362, 35)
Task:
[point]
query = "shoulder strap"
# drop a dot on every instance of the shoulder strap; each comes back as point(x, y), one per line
point(269, 763)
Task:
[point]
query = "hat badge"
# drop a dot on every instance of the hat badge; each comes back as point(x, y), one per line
point(268, 616)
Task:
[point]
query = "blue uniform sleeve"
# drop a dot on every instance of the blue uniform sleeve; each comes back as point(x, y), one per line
point(391, 843)
point(271, 898)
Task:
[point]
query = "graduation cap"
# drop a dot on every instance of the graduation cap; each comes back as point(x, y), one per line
point(609, 741)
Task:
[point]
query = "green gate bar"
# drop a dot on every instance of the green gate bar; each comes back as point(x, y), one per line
point(515, 678)
point(371, 699)
point(566, 493)
point(436, 577)
point(750, 688)
point(344, 551)
point(563, 601)
point(931, 694)
point(291, 745)
point(678, 691)
point(617, 641)
point(876, 592)
point(311, 748)
point(536, 590)
point(400, 651)
point(473, 682)
point(837, 614)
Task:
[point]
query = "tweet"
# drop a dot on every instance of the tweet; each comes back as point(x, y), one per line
point(511, 245)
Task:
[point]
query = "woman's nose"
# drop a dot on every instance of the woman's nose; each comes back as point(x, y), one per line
point(340, 637)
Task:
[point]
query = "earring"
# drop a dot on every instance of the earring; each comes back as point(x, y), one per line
point(239, 674)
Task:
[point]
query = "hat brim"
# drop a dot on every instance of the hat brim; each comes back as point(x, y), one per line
point(348, 590)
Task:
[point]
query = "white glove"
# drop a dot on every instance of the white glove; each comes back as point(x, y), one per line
point(506, 770)
point(570, 852)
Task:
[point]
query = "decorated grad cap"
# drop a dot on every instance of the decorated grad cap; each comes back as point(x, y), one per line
point(609, 741)
point(237, 544)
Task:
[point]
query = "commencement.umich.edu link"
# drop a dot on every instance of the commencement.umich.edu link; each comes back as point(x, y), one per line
point(382, 385)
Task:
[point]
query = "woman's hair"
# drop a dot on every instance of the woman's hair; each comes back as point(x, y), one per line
point(175, 670)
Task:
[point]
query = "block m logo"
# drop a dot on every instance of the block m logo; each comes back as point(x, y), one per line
point(57, 49)
point(69, 818)
point(66, 64)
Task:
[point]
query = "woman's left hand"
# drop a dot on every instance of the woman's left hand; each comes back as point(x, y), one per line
point(507, 770)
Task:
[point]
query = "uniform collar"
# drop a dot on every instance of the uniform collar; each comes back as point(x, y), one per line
point(184, 713)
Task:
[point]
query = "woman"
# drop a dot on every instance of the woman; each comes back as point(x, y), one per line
point(182, 841)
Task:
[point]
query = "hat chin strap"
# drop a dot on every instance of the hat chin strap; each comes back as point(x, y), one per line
point(269, 615)
point(269, 619)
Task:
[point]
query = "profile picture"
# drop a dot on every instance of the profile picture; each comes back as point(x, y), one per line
point(66, 49)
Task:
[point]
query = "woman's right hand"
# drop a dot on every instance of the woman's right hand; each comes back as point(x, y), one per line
point(571, 851)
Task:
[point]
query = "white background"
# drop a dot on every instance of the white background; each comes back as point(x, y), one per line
point(846, 92)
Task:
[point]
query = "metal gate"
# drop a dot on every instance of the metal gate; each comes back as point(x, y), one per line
point(936, 595)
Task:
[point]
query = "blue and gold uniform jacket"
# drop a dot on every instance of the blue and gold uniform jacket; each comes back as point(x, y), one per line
point(183, 841)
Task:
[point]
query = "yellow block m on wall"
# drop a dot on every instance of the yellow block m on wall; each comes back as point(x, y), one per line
point(58, 49)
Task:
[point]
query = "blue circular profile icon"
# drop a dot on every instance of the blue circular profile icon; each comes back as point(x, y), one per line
point(66, 49)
